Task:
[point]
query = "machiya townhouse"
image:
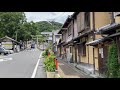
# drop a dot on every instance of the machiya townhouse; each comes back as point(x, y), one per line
point(85, 39)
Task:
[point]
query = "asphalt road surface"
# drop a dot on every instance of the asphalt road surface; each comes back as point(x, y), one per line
point(19, 65)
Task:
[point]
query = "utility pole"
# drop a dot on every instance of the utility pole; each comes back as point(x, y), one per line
point(52, 35)
point(16, 35)
point(53, 41)
point(37, 41)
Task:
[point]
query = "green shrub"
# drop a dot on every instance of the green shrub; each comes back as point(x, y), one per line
point(52, 55)
point(118, 72)
point(45, 53)
point(49, 63)
point(112, 62)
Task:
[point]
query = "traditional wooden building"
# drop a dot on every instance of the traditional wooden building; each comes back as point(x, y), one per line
point(65, 43)
point(9, 43)
point(109, 34)
point(78, 36)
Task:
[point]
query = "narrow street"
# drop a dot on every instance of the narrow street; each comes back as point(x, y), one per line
point(59, 44)
point(19, 65)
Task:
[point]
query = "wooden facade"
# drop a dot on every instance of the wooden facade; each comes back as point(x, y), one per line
point(80, 30)
point(109, 34)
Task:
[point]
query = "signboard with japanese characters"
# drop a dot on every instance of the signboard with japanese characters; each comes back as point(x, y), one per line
point(7, 45)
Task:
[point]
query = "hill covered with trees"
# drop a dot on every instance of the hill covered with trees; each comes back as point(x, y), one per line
point(15, 23)
point(48, 27)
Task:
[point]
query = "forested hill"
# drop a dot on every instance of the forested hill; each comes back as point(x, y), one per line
point(15, 25)
point(44, 26)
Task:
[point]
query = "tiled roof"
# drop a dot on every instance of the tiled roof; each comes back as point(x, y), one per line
point(95, 42)
point(106, 29)
point(6, 37)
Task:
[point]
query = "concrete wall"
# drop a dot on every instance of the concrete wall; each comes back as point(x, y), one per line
point(117, 19)
point(102, 19)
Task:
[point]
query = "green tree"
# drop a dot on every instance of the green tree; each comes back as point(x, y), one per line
point(44, 26)
point(10, 22)
point(112, 62)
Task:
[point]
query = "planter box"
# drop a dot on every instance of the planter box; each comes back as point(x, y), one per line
point(50, 74)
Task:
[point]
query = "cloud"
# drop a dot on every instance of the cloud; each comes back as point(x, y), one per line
point(45, 16)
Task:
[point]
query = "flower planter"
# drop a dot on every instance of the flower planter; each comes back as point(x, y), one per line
point(50, 74)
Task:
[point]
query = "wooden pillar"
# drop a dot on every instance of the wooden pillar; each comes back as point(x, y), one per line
point(118, 48)
point(112, 18)
point(93, 40)
point(88, 53)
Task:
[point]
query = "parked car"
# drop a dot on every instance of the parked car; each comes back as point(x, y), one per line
point(10, 51)
point(32, 45)
point(3, 51)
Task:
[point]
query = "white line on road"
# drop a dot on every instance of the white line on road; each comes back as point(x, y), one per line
point(35, 70)
point(5, 59)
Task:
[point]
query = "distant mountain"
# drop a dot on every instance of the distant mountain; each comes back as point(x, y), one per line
point(44, 26)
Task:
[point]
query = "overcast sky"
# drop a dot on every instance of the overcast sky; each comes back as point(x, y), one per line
point(47, 16)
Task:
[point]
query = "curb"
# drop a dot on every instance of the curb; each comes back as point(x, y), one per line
point(53, 75)
point(50, 74)
point(36, 67)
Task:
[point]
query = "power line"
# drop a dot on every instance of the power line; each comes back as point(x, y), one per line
point(57, 17)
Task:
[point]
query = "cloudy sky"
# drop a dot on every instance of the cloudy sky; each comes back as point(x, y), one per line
point(47, 16)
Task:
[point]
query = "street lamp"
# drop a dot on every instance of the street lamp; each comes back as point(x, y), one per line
point(52, 35)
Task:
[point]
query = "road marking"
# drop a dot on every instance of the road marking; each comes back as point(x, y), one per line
point(1, 60)
point(5, 59)
point(35, 70)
